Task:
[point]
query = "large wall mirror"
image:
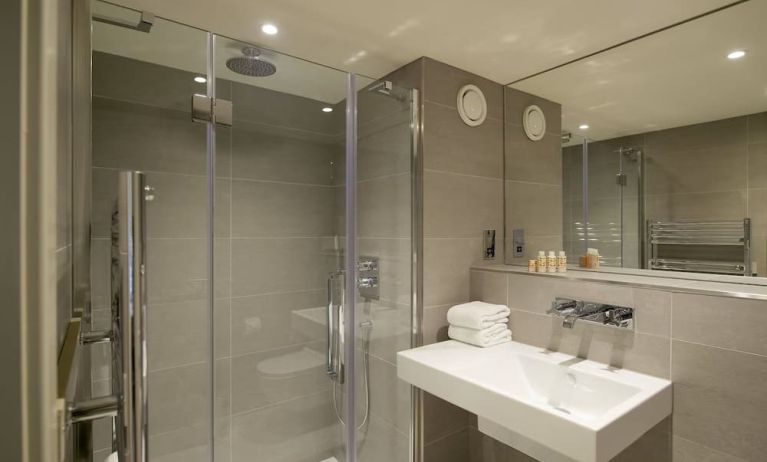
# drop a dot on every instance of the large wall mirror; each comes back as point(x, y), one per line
point(664, 148)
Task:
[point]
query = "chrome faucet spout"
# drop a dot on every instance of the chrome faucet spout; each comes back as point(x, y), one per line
point(569, 321)
point(600, 313)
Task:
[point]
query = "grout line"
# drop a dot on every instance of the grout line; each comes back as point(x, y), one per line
point(278, 403)
point(447, 435)
point(536, 183)
point(448, 106)
point(732, 350)
point(447, 172)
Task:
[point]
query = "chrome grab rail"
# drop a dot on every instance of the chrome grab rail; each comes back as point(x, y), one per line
point(335, 341)
point(129, 306)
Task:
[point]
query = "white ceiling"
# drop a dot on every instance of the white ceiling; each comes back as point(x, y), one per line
point(677, 77)
point(502, 40)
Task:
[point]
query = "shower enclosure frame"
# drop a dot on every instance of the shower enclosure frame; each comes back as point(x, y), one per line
point(82, 208)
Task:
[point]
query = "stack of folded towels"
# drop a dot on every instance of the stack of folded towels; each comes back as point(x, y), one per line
point(479, 323)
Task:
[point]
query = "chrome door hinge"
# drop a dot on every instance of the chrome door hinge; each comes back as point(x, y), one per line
point(209, 109)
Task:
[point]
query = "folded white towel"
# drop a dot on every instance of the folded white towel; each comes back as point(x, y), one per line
point(477, 315)
point(483, 338)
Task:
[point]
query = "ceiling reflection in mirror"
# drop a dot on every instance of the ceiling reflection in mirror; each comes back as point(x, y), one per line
point(671, 133)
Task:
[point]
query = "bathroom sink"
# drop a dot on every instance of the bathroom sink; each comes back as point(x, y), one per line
point(551, 406)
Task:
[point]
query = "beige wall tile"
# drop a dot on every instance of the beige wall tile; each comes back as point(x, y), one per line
point(384, 203)
point(136, 137)
point(256, 384)
point(533, 161)
point(299, 429)
point(655, 445)
point(716, 168)
point(269, 209)
point(757, 128)
point(452, 146)
point(652, 312)
point(724, 205)
point(488, 286)
point(389, 396)
point(434, 324)
point(719, 399)
point(261, 153)
point(446, 269)
point(688, 451)
point(716, 133)
point(288, 265)
point(266, 322)
point(382, 443)
point(451, 448)
point(460, 205)
point(732, 323)
point(536, 208)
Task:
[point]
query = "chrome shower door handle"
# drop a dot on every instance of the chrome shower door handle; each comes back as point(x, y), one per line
point(130, 300)
point(334, 359)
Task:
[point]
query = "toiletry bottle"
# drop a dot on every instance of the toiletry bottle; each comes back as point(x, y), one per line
point(562, 262)
point(551, 262)
point(542, 261)
point(531, 265)
point(592, 258)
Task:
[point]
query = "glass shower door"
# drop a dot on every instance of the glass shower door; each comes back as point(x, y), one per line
point(142, 82)
point(280, 235)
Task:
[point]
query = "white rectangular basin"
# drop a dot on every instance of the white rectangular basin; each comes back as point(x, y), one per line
point(552, 406)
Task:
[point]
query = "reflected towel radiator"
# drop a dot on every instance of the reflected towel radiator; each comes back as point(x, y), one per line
point(716, 247)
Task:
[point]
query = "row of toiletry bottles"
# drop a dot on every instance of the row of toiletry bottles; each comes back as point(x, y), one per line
point(550, 264)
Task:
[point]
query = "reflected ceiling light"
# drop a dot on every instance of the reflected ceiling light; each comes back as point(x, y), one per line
point(269, 29)
point(737, 54)
point(200, 79)
point(583, 126)
point(327, 109)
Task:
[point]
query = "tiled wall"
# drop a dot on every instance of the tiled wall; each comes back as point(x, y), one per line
point(533, 177)
point(714, 171)
point(462, 196)
point(711, 347)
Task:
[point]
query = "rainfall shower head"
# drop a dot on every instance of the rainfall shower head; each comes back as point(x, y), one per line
point(251, 64)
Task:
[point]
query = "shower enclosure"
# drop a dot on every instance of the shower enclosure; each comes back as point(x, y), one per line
point(603, 200)
point(280, 244)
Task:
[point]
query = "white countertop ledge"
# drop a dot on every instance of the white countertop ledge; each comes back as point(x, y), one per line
point(704, 284)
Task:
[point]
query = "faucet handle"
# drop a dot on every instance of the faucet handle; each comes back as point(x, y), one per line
point(619, 317)
point(560, 305)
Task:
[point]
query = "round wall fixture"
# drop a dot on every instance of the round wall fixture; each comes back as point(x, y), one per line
point(534, 122)
point(472, 106)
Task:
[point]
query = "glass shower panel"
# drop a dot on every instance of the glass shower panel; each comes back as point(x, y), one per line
point(603, 202)
point(574, 230)
point(280, 188)
point(142, 84)
point(386, 115)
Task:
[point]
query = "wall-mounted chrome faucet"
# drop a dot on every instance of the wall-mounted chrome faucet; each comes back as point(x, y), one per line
point(609, 315)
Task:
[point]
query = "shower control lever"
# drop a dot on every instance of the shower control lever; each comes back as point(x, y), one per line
point(368, 282)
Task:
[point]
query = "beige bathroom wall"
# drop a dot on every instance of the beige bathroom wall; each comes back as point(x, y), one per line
point(462, 196)
point(711, 347)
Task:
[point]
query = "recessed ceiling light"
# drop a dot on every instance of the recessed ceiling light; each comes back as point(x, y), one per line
point(327, 109)
point(200, 79)
point(269, 29)
point(583, 126)
point(737, 54)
